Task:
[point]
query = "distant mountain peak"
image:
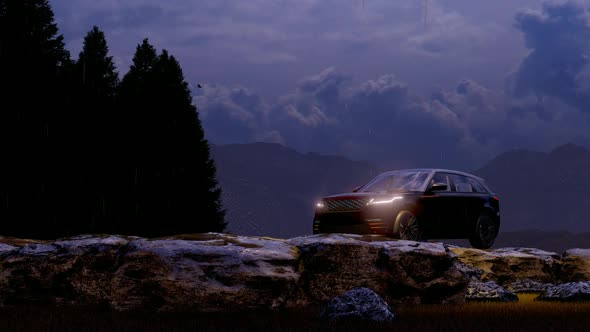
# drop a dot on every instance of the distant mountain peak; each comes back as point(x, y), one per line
point(526, 158)
point(257, 144)
point(510, 158)
point(542, 190)
point(569, 149)
point(515, 152)
point(270, 189)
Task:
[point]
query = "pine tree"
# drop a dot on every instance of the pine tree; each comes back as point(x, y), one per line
point(195, 195)
point(96, 82)
point(32, 59)
point(95, 68)
point(33, 64)
point(94, 117)
point(134, 98)
point(175, 190)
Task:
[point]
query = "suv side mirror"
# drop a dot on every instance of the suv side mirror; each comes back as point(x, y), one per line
point(439, 186)
point(356, 189)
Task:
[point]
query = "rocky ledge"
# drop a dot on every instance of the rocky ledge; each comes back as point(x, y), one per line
point(221, 272)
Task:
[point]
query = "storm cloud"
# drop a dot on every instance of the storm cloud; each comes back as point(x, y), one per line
point(558, 38)
point(384, 121)
point(234, 115)
point(271, 44)
point(379, 81)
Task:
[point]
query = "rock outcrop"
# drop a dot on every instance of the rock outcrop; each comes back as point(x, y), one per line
point(527, 286)
point(489, 292)
point(221, 272)
point(359, 304)
point(206, 272)
point(575, 265)
point(571, 292)
point(508, 265)
point(399, 271)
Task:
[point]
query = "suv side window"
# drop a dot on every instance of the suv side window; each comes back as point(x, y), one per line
point(461, 184)
point(477, 187)
point(441, 178)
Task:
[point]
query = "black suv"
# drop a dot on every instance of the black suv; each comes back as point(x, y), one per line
point(415, 204)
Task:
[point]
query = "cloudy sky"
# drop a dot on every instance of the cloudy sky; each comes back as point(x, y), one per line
point(390, 81)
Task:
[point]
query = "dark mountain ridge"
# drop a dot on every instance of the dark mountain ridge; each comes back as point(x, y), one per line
point(270, 190)
point(548, 191)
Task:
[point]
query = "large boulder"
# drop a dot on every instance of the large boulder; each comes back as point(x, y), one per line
point(571, 292)
point(575, 265)
point(73, 271)
point(358, 304)
point(217, 272)
point(221, 272)
point(207, 272)
point(399, 271)
point(507, 265)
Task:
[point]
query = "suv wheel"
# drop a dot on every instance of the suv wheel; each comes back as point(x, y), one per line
point(406, 226)
point(484, 233)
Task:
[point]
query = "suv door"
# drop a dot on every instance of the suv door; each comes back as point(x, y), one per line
point(469, 191)
point(442, 209)
point(476, 202)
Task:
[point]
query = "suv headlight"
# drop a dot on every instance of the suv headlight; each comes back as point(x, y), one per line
point(320, 205)
point(379, 201)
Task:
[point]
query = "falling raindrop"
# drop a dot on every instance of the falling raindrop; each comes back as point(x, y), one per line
point(426, 3)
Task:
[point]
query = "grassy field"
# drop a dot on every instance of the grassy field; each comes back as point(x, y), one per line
point(526, 315)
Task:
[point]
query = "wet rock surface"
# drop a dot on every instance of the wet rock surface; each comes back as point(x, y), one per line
point(527, 286)
point(571, 292)
point(222, 272)
point(489, 292)
point(206, 272)
point(359, 304)
point(575, 265)
point(399, 271)
point(507, 265)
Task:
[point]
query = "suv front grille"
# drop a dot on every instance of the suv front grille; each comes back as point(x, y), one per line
point(345, 204)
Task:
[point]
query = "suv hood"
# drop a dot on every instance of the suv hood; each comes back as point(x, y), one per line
point(365, 195)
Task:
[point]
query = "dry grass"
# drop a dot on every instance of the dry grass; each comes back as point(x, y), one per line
point(526, 315)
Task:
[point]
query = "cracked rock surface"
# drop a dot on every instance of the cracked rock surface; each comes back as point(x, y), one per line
point(359, 303)
point(223, 272)
point(571, 292)
point(489, 291)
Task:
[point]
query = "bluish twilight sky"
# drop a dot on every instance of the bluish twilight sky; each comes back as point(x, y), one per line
point(380, 80)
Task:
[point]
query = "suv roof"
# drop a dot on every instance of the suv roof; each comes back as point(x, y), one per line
point(432, 170)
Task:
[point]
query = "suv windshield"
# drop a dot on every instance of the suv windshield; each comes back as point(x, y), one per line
point(398, 181)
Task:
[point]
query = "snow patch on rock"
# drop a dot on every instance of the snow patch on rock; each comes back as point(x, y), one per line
point(38, 249)
point(525, 252)
point(5, 248)
point(582, 253)
point(319, 240)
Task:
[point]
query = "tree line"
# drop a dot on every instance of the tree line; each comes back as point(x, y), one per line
point(86, 152)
